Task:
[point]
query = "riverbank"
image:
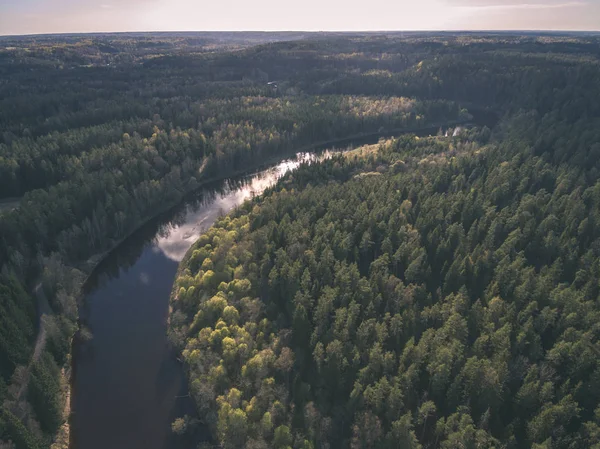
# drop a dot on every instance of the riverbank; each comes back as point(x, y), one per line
point(88, 267)
point(92, 263)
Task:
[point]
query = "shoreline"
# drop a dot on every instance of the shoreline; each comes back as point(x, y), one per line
point(88, 267)
point(94, 261)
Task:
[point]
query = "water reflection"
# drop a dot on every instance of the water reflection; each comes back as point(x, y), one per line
point(175, 239)
point(128, 386)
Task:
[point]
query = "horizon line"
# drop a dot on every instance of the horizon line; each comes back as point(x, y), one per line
point(458, 31)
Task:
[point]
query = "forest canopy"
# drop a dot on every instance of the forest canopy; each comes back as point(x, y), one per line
point(435, 290)
point(434, 293)
point(438, 292)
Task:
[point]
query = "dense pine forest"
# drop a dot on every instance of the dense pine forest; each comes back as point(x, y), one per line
point(423, 292)
point(435, 292)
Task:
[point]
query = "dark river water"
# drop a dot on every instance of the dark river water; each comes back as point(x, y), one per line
point(127, 383)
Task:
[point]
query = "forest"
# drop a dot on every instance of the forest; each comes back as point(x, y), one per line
point(436, 290)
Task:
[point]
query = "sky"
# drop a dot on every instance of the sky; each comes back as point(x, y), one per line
point(74, 16)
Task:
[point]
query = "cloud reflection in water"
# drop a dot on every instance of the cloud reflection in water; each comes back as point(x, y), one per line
point(175, 242)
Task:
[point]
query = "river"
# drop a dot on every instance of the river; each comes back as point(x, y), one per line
point(127, 383)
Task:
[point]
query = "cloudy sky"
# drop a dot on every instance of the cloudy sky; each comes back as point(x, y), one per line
point(62, 16)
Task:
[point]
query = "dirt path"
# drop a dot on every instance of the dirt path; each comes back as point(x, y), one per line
point(44, 311)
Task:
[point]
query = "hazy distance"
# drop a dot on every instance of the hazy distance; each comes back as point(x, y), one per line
point(71, 16)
